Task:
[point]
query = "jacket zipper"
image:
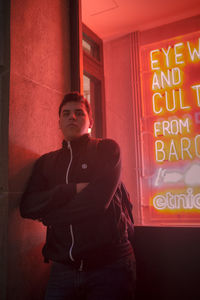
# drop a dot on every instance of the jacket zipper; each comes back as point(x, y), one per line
point(72, 245)
point(70, 226)
point(67, 181)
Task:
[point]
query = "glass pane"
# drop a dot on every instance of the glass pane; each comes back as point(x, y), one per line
point(86, 46)
point(91, 47)
point(86, 87)
point(92, 91)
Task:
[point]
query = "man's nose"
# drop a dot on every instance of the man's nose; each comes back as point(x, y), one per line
point(72, 116)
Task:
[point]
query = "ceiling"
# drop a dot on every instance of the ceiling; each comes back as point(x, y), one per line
point(113, 18)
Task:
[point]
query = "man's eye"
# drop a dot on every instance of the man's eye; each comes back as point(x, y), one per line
point(65, 114)
point(80, 113)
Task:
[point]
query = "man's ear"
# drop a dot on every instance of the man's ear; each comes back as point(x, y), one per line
point(91, 123)
point(90, 126)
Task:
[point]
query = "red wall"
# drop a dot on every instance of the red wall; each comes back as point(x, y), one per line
point(39, 78)
point(170, 30)
point(120, 107)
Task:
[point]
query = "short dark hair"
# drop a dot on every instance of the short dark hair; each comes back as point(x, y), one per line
point(76, 97)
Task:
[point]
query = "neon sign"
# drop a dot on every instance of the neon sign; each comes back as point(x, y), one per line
point(170, 128)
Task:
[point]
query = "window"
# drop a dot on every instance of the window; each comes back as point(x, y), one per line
point(93, 78)
point(91, 47)
point(170, 131)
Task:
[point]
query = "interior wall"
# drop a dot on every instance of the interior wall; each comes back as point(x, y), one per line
point(119, 106)
point(39, 77)
point(171, 30)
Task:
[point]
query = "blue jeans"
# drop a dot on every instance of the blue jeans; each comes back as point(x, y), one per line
point(115, 281)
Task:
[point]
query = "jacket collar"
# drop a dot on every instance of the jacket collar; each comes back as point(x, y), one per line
point(76, 142)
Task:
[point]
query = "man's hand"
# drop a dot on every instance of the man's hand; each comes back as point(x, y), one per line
point(80, 186)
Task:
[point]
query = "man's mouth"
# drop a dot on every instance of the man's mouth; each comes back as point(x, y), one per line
point(72, 125)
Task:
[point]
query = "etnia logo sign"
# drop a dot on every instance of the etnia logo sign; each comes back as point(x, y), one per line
point(171, 120)
point(177, 201)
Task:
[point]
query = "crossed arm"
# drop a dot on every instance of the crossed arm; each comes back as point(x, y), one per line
point(73, 202)
point(80, 186)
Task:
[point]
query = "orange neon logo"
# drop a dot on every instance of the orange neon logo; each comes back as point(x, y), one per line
point(171, 110)
point(175, 55)
point(174, 137)
point(177, 201)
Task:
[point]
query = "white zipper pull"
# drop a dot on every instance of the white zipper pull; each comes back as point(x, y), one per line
point(81, 266)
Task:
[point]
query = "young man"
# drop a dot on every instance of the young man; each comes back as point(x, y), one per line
point(75, 192)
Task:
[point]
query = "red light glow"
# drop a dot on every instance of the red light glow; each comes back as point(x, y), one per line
point(170, 131)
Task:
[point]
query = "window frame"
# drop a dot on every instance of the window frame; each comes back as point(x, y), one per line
point(94, 68)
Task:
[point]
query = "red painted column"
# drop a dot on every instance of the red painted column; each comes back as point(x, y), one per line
point(40, 76)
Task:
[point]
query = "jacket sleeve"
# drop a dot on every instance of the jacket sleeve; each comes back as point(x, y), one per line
point(96, 197)
point(38, 199)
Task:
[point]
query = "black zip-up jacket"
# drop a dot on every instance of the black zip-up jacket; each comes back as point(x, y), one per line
point(79, 225)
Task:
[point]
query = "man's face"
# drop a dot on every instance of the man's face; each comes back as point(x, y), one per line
point(74, 120)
